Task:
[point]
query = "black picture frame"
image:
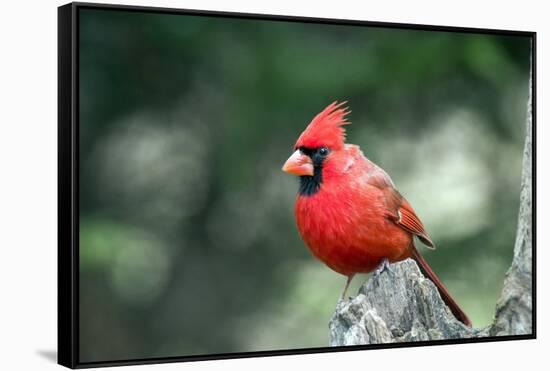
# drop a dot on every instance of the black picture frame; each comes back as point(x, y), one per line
point(68, 182)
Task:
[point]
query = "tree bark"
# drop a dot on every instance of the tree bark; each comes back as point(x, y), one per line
point(401, 305)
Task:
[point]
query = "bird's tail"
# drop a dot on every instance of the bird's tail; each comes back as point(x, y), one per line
point(445, 295)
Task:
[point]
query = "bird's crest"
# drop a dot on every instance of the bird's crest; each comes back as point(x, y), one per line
point(325, 130)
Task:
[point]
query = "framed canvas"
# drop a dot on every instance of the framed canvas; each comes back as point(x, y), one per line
point(215, 202)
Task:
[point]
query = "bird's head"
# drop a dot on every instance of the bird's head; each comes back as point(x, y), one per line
point(319, 141)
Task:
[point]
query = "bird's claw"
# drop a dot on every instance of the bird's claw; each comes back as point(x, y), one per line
point(383, 266)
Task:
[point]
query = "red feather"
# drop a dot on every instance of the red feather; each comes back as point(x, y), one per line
point(326, 128)
point(410, 222)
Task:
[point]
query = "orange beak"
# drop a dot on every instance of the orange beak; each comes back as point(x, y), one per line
point(298, 164)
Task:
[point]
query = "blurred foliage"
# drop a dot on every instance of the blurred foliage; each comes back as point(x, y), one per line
point(187, 236)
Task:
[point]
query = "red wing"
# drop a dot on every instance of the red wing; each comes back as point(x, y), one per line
point(409, 221)
point(399, 209)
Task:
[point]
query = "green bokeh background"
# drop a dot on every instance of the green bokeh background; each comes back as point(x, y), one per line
point(187, 237)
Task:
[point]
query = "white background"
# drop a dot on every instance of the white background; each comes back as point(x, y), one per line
point(28, 182)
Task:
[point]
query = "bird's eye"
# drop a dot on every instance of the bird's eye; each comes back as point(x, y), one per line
point(323, 151)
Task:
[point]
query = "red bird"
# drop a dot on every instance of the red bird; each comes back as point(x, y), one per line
point(348, 211)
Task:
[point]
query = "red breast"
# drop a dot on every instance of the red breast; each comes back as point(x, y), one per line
point(344, 223)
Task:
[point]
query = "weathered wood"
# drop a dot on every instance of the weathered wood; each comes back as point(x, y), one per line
point(402, 305)
point(514, 308)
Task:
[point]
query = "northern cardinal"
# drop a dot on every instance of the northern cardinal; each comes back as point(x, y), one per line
point(347, 209)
